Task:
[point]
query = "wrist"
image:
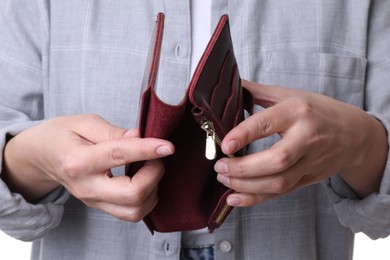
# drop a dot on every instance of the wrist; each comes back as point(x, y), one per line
point(20, 175)
point(365, 172)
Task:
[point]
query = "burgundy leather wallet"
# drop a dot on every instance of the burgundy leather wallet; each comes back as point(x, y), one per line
point(189, 195)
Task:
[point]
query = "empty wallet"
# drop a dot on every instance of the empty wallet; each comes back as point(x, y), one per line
point(189, 195)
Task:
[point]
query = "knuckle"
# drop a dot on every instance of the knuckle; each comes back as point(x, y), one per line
point(136, 196)
point(239, 185)
point(250, 200)
point(241, 169)
point(245, 132)
point(280, 185)
point(264, 125)
point(71, 166)
point(117, 155)
point(281, 159)
point(115, 133)
point(94, 117)
point(303, 107)
point(135, 215)
point(90, 118)
point(129, 214)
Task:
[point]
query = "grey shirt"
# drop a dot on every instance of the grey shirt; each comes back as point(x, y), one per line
point(75, 57)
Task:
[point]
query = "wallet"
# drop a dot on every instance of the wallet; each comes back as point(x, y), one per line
point(189, 195)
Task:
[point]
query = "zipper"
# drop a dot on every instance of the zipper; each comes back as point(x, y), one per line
point(224, 211)
point(212, 139)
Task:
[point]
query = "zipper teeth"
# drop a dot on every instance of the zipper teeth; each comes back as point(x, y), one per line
point(217, 138)
point(225, 209)
point(222, 214)
point(219, 142)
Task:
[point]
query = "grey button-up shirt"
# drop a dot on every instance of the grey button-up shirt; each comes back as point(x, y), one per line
point(88, 56)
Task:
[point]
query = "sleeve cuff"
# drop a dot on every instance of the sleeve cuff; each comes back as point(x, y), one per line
point(19, 218)
point(369, 215)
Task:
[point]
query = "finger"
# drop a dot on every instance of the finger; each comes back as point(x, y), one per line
point(128, 213)
point(281, 156)
point(266, 96)
point(95, 129)
point(242, 199)
point(134, 191)
point(270, 121)
point(239, 199)
point(263, 163)
point(295, 177)
point(247, 200)
point(121, 190)
point(261, 93)
point(273, 184)
point(110, 154)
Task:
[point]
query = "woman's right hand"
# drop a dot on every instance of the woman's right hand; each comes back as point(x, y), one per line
point(78, 152)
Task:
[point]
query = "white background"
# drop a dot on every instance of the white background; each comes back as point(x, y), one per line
point(365, 249)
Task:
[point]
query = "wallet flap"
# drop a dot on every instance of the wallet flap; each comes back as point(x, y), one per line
point(215, 89)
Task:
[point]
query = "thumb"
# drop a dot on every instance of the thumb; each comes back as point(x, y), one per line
point(96, 130)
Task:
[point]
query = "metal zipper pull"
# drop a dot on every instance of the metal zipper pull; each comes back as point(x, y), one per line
point(211, 150)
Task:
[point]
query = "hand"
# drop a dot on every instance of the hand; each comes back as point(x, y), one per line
point(320, 137)
point(78, 152)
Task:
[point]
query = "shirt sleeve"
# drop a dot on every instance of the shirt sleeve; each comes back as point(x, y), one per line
point(23, 53)
point(371, 214)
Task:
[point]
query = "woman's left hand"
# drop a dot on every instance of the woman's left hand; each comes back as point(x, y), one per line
point(320, 137)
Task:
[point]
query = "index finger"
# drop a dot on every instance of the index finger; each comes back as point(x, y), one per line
point(114, 153)
point(267, 96)
point(123, 190)
point(267, 122)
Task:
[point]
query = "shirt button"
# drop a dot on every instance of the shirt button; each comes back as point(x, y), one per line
point(225, 246)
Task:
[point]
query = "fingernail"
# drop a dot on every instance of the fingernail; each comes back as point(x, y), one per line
point(233, 201)
point(164, 150)
point(221, 167)
point(223, 179)
point(232, 146)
